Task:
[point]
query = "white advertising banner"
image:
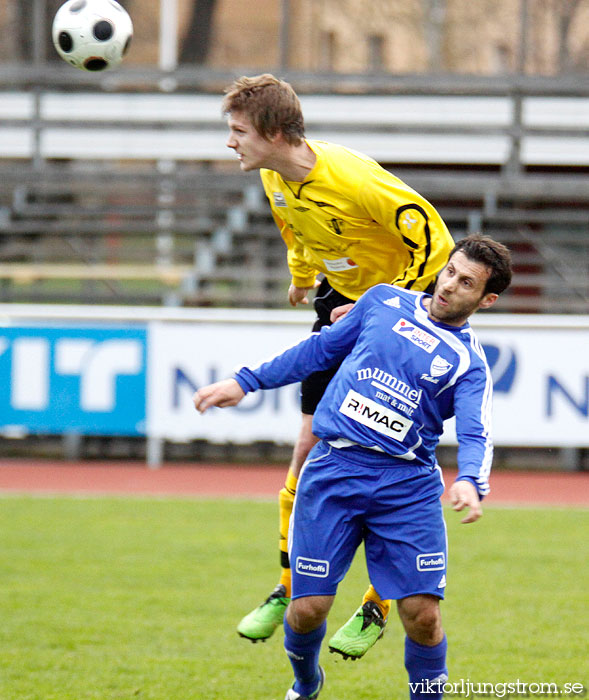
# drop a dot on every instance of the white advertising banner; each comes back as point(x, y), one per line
point(541, 385)
point(184, 357)
point(99, 370)
point(540, 368)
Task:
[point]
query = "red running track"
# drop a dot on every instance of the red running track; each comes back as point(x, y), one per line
point(222, 480)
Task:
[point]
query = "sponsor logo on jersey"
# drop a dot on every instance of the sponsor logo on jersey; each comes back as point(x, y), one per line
point(395, 302)
point(424, 340)
point(442, 583)
point(312, 567)
point(279, 200)
point(438, 368)
point(371, 414)
point(339, 265)
point(392, 385)
point(432, 561)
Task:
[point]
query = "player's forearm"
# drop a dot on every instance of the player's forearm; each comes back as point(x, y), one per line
point(473, 407)
point(474, 464)
point(317, 352)
point(302, 274)
point(288, 368)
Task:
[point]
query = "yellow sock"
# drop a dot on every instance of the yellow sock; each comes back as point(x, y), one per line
point(384, 605)
point(285, 502)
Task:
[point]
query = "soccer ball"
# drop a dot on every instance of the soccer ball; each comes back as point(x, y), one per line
point(93, 35)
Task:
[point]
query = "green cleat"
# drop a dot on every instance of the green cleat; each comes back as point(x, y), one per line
point(360, 633)
point(260, 624)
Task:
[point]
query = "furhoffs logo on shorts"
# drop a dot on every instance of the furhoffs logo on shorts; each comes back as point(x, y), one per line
point(434, 561)
point(312, 567)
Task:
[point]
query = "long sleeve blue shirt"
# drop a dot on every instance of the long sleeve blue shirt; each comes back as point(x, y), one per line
point(402, 376)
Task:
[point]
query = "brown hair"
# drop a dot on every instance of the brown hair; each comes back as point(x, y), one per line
point(492, 254)
point(271, 105)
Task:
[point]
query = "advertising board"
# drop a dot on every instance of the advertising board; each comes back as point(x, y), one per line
point(71, 378)
point(133, 372)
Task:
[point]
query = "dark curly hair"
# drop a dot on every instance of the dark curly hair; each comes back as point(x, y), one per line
point(492, 254)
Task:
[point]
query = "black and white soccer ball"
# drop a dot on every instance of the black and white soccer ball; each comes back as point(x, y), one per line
point(93, 35)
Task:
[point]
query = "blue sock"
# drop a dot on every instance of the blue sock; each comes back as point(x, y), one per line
point(427, 669)
point(303, 654)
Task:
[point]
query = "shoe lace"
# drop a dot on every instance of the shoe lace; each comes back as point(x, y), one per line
point(278, 592)
point(372, 615)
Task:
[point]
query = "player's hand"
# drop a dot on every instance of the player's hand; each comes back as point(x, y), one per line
point(298, 295)
point(463, 494)
point(340, 312)
point(225, 393)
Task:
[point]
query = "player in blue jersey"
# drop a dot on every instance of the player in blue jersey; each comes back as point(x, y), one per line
point(409, 362)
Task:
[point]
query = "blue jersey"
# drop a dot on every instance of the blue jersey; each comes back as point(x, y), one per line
point(401, 377)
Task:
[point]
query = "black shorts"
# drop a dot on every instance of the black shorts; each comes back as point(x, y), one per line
point(314, 386)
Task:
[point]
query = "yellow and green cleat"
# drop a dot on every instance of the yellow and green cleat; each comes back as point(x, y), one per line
point(360, 633)
point(260, 624)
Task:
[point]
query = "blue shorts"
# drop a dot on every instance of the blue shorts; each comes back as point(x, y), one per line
point(349, 495)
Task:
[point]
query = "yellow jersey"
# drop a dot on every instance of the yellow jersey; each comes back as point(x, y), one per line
point(356, 223)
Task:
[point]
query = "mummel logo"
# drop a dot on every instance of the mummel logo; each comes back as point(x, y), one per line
point(424, 340)
point(373, 415)
point(391, 384)
point(312, 567)
point(431, 562)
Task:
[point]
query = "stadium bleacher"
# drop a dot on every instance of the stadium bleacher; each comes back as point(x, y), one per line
point(123, 195)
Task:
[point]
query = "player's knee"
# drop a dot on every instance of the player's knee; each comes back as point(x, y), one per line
point(421, 618)
point(307, 614)
point(426, 622)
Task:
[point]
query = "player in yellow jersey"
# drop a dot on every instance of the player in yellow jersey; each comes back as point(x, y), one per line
point(348, 224)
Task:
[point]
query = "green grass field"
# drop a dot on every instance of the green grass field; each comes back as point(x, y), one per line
point(110, 598)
